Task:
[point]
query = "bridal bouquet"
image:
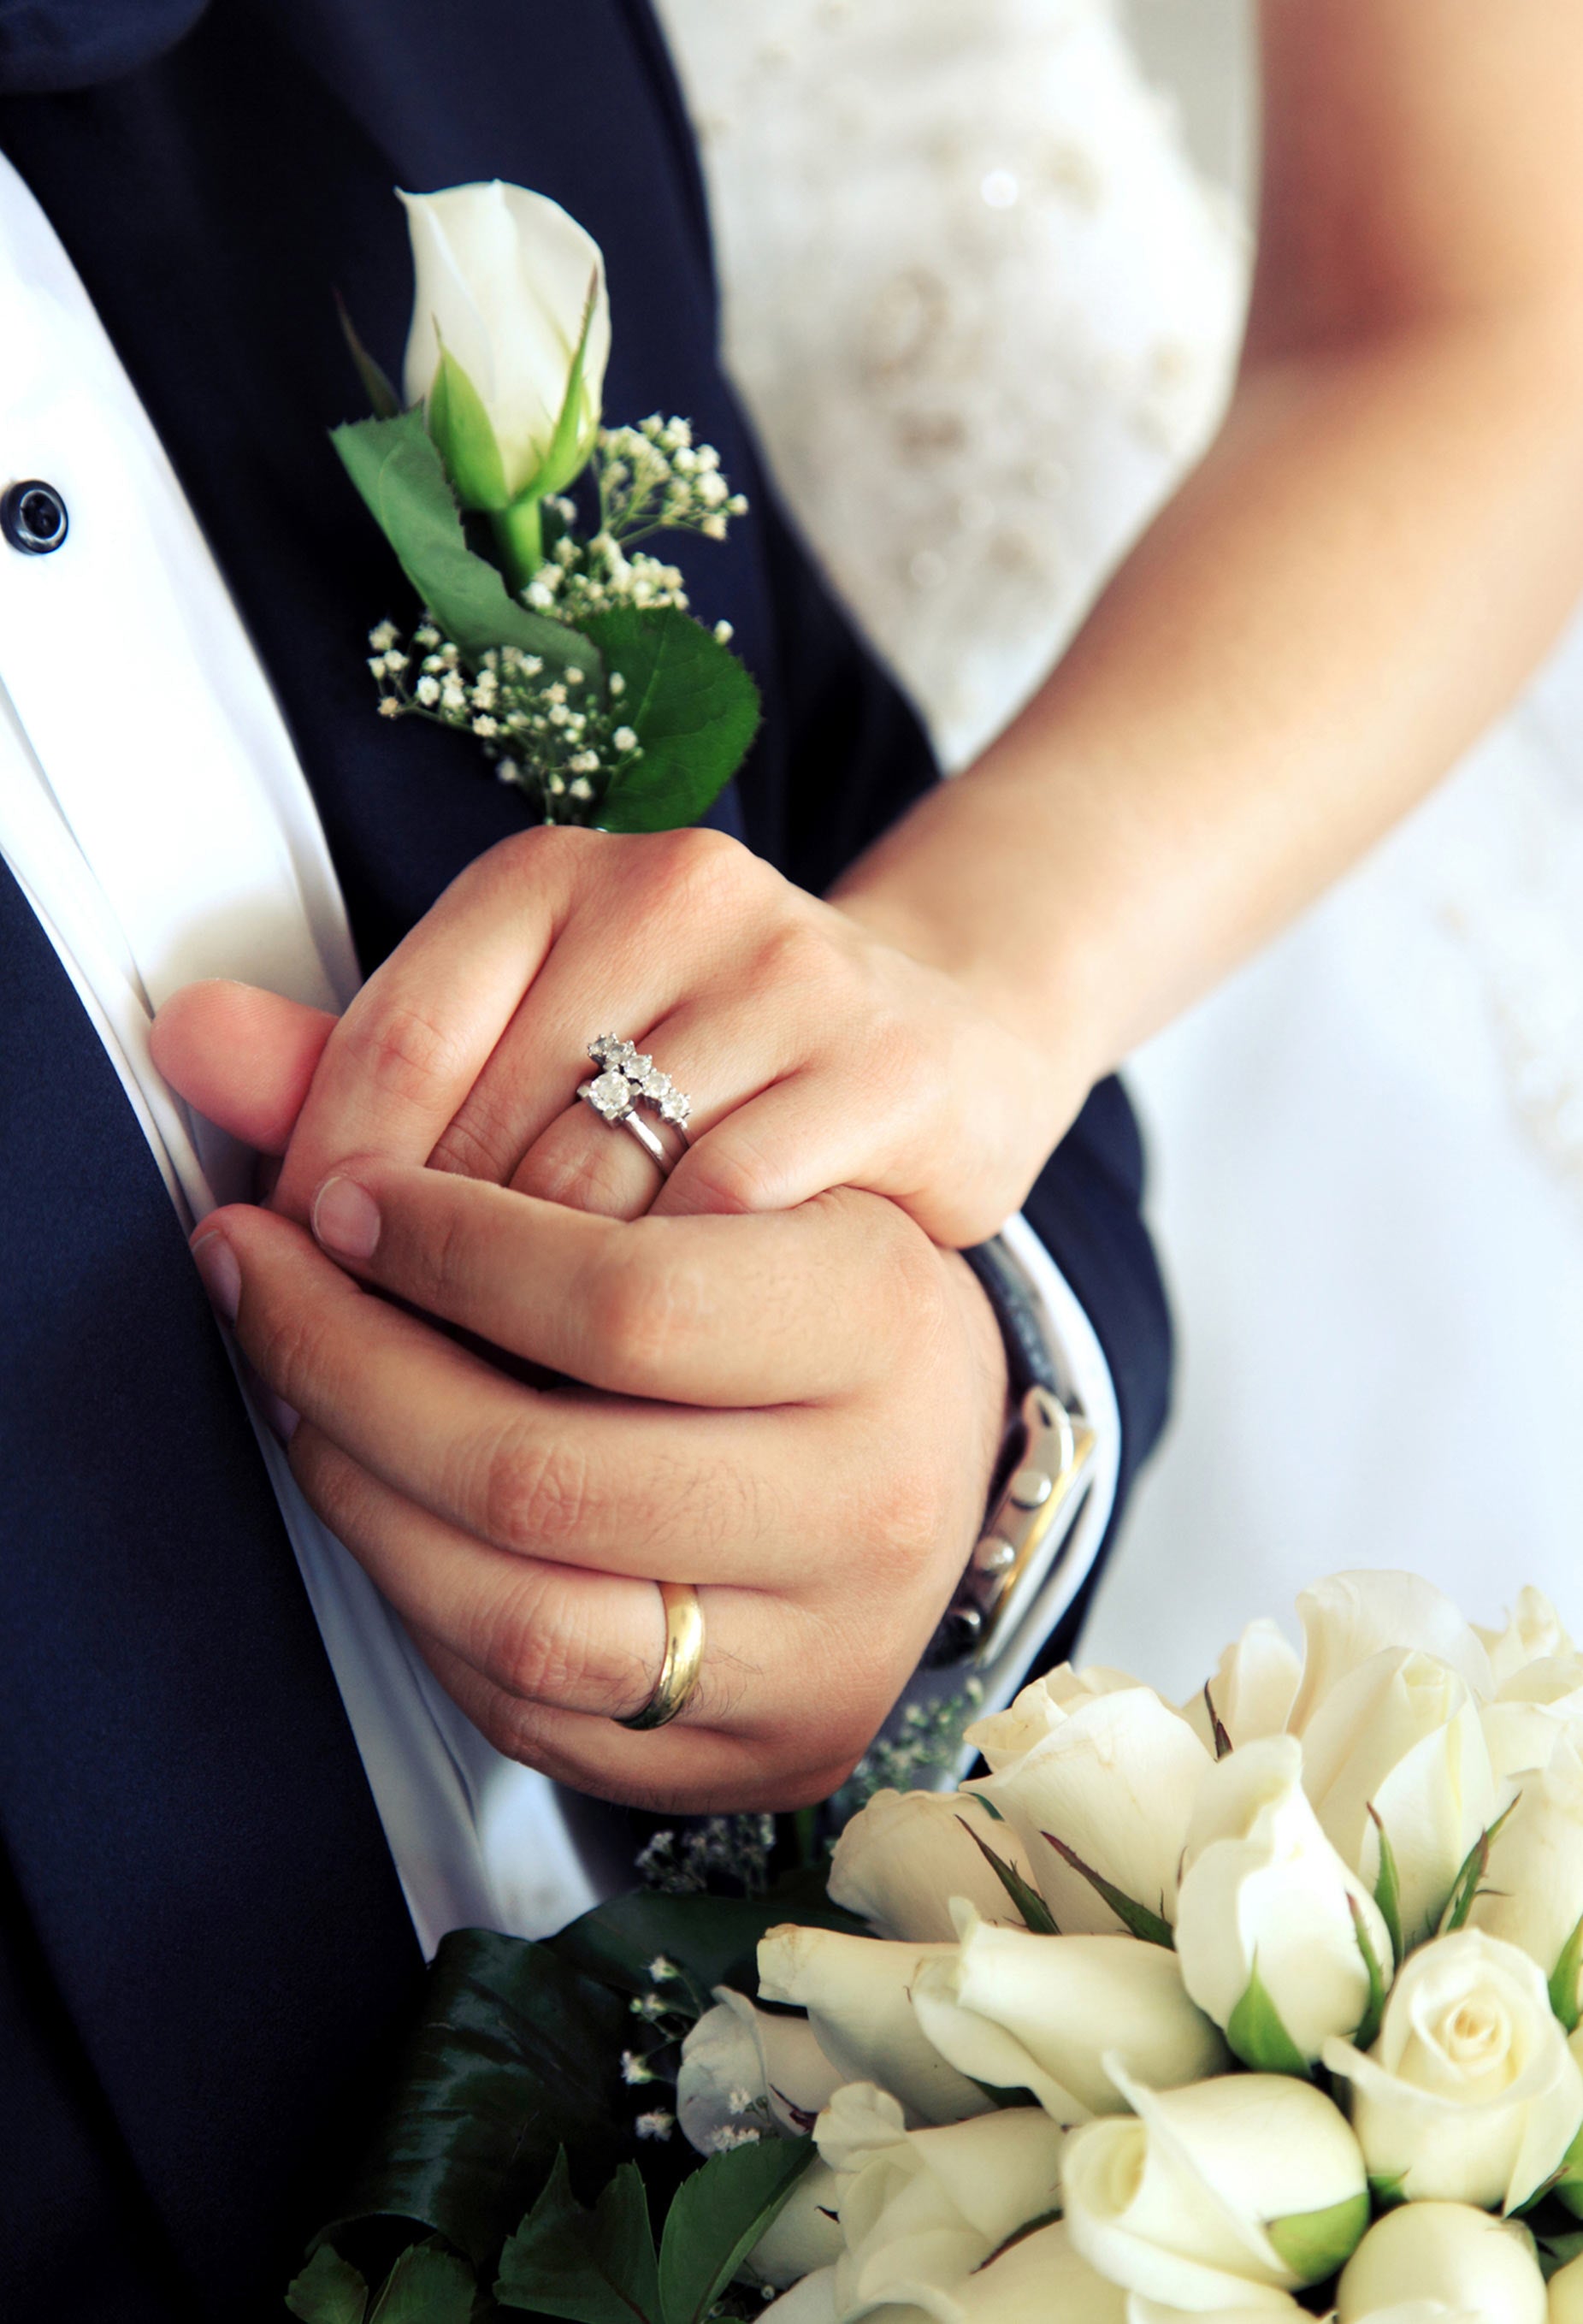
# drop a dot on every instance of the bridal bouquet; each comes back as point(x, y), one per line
point(1266, 2004)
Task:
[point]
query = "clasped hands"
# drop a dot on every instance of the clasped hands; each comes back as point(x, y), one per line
point(769, 1376)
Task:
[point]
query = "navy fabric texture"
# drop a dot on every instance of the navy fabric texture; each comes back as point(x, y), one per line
point(202, 1942)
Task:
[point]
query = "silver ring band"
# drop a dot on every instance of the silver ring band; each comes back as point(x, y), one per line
point(629, 1118)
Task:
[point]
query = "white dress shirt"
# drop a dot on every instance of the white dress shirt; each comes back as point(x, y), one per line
point(154, 814)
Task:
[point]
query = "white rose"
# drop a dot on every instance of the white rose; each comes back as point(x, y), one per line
point(1038, 2279)
point(1533, 1632)
point(1225, 2195)
point(903, 1857)
point(1114, 1779)
point(1401, 1735)
point(1353, 1617)
point(503, 284)
point(1263, 1890)
point(1042, 1706)
point(1022, 2012)
point(921, 2211)
point(1537, 1709)
point(858, 1993)
point(1253, 1689)
point(747, 2069)
point(1565, 2295)
point(805, 2234)
point(1443, 2260)
point(1532, 1894)
point(1470, 2094)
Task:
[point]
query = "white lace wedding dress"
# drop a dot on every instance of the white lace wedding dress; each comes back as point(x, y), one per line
point(984, 311)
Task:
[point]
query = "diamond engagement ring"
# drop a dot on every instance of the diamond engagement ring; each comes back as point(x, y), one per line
point(627, 1080)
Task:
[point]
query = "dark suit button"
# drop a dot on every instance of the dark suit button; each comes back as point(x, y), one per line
point(32, 517)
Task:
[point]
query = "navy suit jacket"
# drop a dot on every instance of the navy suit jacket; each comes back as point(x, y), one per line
point(203, 1947)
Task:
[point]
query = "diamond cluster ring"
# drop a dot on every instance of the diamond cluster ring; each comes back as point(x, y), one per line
point(625, 1081)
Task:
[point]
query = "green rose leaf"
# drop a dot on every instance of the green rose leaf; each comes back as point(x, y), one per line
point(1387, 1889)
point(427, 2285)
point(1563, 1980)
point(1315, 2244)
point(1036, 1914)
point(693, 707)
point(465, 436)
point(1369, 2025)
point(397, 468)
point(1385, 2190)
point(567, 453)
point(510, 2060)
point(594, 2267)
point(1258, 2037)
point(386, 403)
point(1465, 1888)
point(1152, 1927)
point(329, 2291)
point(711, 1939)
point(716, 2217)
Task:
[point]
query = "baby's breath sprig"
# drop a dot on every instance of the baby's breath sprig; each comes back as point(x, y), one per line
point(653, 478)
point(720, 1855)
point(542, 729)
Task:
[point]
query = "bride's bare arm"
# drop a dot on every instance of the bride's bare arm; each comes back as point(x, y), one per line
point(1380, 544)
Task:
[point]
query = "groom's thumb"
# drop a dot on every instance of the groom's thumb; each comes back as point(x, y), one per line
point(241, 1058)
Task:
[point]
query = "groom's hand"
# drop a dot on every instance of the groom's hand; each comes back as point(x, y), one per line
point(833, 1391)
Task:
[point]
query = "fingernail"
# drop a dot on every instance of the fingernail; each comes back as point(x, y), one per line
point(345, 1219)
point(283, 1417)
point(218, 1266)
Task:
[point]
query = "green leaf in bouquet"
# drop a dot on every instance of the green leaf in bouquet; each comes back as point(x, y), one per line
point(1257, 2035)
point(1369, 2024)
point(1387, 1888)
point(1556, 2252)
point(427, 2285)
point(712, 1940)
point(1563, 1980)
point(1315, 2244)
point(464, 434)
point(1567, 2184)
point(692, 706)
point(1036, 1914)
point(1386, 2188)
point(396, 467)
point(329, 2291)
point(1470, 1874)
point(718, 2215)
point(567, 453)
point(1152, 1927)
point(512, 2058)
point(593, 2267)
point(381, 394)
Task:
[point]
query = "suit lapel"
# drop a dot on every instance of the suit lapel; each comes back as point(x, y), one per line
point(192, 1835)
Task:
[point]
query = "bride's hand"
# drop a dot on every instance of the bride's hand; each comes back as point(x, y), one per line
point(815, 1054)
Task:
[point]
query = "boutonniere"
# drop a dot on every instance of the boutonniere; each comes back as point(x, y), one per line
point(550, 632)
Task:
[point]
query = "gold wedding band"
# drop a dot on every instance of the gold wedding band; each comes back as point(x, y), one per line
point(683, 1657)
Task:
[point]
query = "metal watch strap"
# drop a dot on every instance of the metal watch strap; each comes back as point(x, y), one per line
point(1041, 1470)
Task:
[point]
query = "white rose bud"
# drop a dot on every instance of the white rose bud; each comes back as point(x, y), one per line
point(1532, 1894)
point(903, 1857)
point(1042, 1705)
point(1565, 2295)
point(1533, 1632)
point(1113, 1780)
point(1252, 1691)
point(1353, 1617)
point(921, 2211)
point(1265, 1897)
point(1022, 2012)
point(504, 279)
point(1535, 1711)
point(1401, 1736)
point(1470, 2094)
point(1219, 2196)
point(747, 2069)
point(1443, 2260)
point(858, 1993)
